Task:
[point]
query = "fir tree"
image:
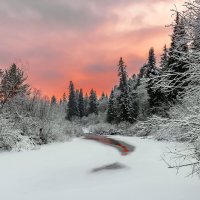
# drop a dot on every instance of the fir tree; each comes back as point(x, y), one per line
point(141, 74)
point(64, 98)
point(93, 102)
point(124, 113)
point(102, 95)
point(196, 31)
point(102, 103)
point(151, 70)
point(177, 60)
point(132, 84)
point(72, 103)
point(164, 59)
point(86, 104)
point(81, 104)
point(1, 92)
point(155, 95)
point(53, 101)
point(111, 112)
point(13, 83)
point(1, 73)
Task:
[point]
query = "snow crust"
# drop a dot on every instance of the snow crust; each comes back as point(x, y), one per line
point(63, 171)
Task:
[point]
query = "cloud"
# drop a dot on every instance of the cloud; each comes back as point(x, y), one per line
point(80, 40)
point(79, 14)
point(53, 13)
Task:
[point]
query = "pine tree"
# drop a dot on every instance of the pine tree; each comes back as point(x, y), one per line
point(1, 73)
point(151, 65)
point(72, 103)
point(125, 108)
point(1, 91)
point(111, 112)
point(93, 102)
point(102, 95)
point(102, 103)
point(86, 104)
point(164, 59)
point(64, 99)
point(141, 74)
point(77, 94)
point(81, 104)
point(53, 101)
point(132, 84)
point(177, 60)
point(196, 31)
point(13, 84)
point(153, 74)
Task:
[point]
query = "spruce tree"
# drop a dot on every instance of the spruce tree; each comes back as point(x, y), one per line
point(155, 95)
point(86, 104)
point(53, 101)
point(141, 74)
point(132, 84)
point(1, 73)
point(72, 103)
point(93, 102)
point(64, 99)
point(1, 91)
point(102, 95)
point(13, 84)
point(102, 103)
point(164, 59)
point(81, 104)
point(196, 31)
point(177, 60)
point(125, 108)
point(111, 112)
point(151, 65)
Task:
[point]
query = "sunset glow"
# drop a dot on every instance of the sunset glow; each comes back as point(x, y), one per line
point(82, 40)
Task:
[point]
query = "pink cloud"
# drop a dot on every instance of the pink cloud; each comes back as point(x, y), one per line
point(66, 47)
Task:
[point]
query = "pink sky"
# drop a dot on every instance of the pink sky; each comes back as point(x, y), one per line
point(82, 40)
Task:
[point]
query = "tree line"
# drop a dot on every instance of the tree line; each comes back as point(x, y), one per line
point(156, 88)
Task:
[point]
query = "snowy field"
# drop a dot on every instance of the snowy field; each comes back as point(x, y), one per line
point(64, 172)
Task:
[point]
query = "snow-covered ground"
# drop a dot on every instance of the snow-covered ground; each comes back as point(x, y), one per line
point(63, 172)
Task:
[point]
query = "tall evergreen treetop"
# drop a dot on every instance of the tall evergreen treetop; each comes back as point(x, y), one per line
point(124, 99)
point(177, 61)
point(93, 102)
point(196, 31)
point(151, 58)
point(122, 74)
point(72, 103)
point(81, 104)
point(151, 69)
point(102, 103)
point(178, 45)
point(53, 100)
point(13, 83)
point(64, 99)
point(111, 112)
point(86, 104)
point(164, 59)
point(102, 95)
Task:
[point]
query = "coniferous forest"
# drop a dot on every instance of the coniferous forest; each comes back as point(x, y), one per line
point(162, 100)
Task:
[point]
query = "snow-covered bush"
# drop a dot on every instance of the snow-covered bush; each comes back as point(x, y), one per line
point(13, 138)
point(62, 130)
point(93, 119)
point(104, 129)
